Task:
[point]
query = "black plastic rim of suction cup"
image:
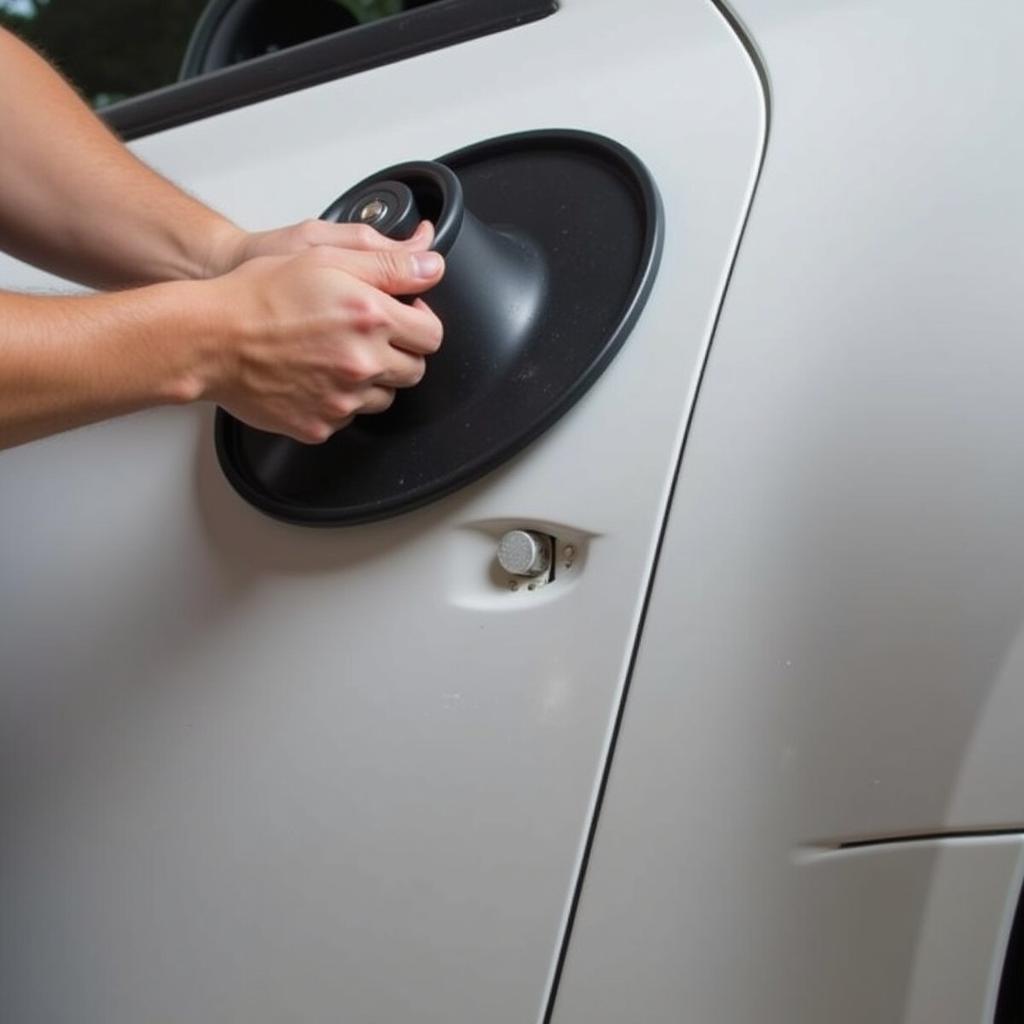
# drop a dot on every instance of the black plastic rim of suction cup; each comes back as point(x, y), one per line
point(436, 189)
point(234, 440)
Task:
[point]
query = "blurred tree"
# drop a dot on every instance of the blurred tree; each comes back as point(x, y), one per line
point(109, 48)
point(370, 10)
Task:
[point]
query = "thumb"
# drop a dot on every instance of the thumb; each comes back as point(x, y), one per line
point(395, 271)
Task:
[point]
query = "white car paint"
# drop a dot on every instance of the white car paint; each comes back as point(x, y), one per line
point(255, 772)
point(834, 646)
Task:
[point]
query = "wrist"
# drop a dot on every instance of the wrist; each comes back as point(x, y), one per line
point(188, 331)
point(225, 250)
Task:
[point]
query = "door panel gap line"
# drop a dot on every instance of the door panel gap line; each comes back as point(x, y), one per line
point(760, 70)
point(827, 846)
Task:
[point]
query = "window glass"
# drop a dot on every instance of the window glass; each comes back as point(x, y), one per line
point(114, 49)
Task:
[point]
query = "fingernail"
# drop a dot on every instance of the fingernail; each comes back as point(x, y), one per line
point(427, 264)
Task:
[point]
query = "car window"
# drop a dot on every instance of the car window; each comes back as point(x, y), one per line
point(116, 49)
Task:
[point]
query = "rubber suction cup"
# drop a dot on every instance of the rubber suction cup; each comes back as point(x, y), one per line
point(551, 241)
point(491, 294)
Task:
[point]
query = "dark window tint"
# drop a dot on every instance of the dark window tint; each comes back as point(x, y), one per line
point(232, 31)
point(114, 49)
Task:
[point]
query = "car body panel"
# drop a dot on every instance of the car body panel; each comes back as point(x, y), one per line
point(833, 652)
point(259, 772)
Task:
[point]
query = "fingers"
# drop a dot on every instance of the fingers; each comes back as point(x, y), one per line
point(376, 400)
point(376, 363)
point(401, 370)
point(415, 328)
point(339, 413)
point(362, 237)
point(311, 236)
point(354, 343)
point(371, 400)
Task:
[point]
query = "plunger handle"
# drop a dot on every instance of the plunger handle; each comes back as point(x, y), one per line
point(395, 200)
point(489, 299)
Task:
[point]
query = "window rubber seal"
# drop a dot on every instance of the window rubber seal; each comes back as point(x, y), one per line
point(420, 30)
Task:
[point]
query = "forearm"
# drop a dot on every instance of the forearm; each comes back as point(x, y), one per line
point(67, 361)
point(75, 201)
point(294, 344)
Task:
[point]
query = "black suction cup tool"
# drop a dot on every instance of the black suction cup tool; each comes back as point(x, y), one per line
point(493, 284)
point(543, 282)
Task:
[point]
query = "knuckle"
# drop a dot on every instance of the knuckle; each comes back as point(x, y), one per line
point(309, 231)
point(366, 237)
point(313, 433)
point(368, 313)
point(357, 367)
point(341, 407)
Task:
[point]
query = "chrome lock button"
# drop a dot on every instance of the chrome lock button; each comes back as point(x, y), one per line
point(524, 553)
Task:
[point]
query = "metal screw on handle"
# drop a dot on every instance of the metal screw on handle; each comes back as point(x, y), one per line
point(373, 210)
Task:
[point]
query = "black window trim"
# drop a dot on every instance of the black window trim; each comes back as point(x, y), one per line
point(392, 39)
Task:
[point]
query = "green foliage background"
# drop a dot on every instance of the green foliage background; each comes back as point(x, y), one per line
point(112, 49)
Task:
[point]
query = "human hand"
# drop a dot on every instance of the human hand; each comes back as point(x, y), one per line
point(232, 246)
point(302, 344)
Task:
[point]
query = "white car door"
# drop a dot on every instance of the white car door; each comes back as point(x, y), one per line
point(254, 771)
